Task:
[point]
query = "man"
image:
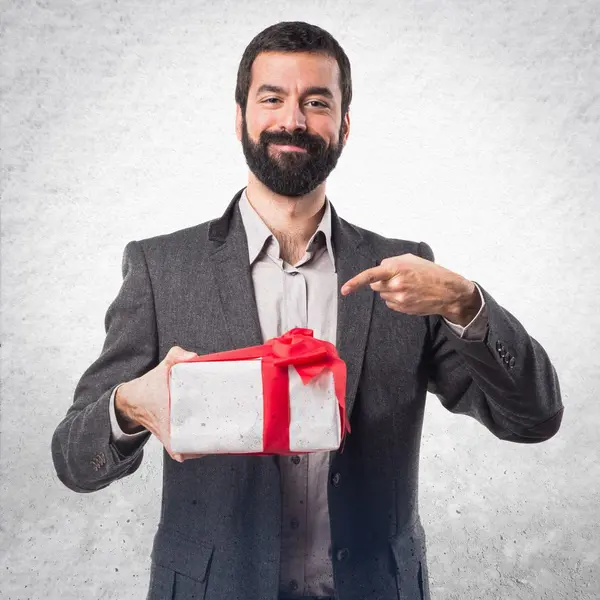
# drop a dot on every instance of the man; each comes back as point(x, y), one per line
point(340, 524)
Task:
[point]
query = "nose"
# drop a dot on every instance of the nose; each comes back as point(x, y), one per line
point(293, 119)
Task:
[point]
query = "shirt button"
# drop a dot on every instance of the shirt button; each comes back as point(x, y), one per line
point(294, 523)
point(342, 554)
point(335, 479)
point(293, 585)
point(296, 460)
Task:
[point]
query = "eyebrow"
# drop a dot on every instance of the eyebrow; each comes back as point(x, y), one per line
point(311, 91)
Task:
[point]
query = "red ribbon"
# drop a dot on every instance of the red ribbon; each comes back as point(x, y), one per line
point(310, 356)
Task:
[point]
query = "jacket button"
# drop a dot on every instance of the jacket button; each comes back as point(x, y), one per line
point(296, 460)
point(498, 346)
point(336, 479)
point(294, 585)
point(511, 364)
point(507, 358)
point(342, 554)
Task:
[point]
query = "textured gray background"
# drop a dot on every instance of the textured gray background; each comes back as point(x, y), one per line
point(475, 128)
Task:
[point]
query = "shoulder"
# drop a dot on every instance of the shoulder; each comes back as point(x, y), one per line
point(383, 246)
point(182, 238)
point(168, 246)
point(169, 251)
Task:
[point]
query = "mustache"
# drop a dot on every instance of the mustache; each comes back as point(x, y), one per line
point(311, 143)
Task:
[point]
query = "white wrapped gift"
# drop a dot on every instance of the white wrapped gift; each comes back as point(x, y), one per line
point(222, 406)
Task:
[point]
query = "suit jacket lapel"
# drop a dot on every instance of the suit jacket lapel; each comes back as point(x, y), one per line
point(233, 282)
point(354, 311)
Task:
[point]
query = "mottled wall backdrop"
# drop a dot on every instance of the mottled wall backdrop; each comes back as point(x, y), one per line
point(475, 127)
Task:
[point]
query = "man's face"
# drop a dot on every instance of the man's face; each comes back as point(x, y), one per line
point(293, 133)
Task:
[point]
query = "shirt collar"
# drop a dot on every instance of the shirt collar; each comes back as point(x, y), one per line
point(257, 232)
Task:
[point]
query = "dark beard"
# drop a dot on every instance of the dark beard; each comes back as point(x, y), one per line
point(291, 173)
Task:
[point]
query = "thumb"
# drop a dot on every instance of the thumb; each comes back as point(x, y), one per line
point(177, 354)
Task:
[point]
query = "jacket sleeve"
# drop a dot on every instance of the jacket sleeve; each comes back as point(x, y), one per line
point(506, 381)
point(85, 456)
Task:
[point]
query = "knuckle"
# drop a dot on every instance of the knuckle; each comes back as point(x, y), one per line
point(392, 297)
point(170, 355)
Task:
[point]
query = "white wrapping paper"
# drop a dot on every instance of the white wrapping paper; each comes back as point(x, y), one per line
point(217, 408)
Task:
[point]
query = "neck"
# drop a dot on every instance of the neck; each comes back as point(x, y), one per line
point(292, 218)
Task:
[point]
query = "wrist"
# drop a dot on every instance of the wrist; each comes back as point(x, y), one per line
point(463, 309)
point(123, 412)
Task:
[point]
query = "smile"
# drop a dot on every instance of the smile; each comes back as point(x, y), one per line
point(285, 148)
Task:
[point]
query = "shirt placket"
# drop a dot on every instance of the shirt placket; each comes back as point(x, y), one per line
point(295, 515)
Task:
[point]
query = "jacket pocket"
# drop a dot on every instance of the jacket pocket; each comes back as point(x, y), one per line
point(410, 555)
point(180, 567)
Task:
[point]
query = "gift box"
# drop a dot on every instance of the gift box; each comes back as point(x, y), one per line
point(286, 396)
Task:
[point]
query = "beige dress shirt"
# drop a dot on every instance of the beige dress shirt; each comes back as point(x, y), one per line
point(287, 296)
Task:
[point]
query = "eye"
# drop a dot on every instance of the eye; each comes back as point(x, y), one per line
point(271, 100)
point(318, 103)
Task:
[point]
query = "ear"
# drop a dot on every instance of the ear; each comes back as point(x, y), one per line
point(238, 122)
point(346, 127)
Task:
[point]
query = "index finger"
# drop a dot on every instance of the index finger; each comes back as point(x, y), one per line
point(379, 273)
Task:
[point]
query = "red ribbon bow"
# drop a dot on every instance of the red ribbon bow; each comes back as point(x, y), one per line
point(310, 357)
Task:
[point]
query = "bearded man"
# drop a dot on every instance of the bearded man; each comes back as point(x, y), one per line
point(334, 524)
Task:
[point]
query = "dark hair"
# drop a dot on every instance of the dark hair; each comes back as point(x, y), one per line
point(293, 36)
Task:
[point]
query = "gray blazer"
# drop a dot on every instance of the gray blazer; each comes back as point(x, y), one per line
point(219, 531)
